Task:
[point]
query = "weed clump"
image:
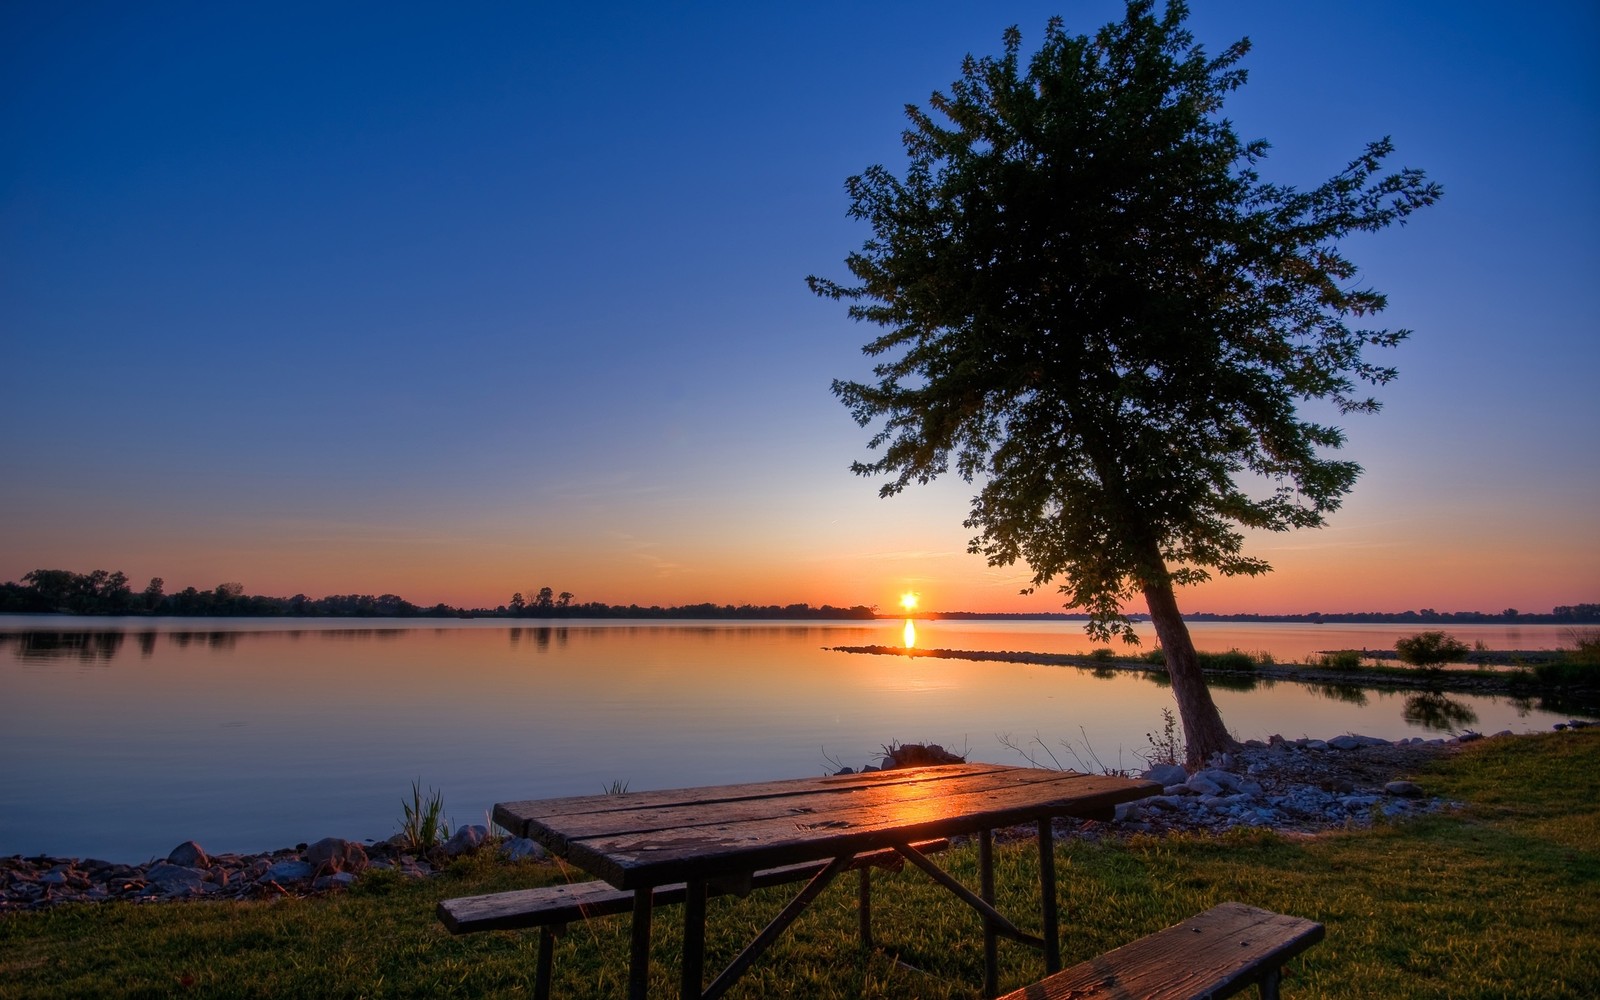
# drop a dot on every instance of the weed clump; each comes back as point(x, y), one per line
point(424, 827)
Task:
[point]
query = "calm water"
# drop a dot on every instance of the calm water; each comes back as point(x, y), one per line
point(123, 738)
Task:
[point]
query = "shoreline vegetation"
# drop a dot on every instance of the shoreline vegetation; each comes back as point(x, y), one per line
point(1402, 897)
point(58, 591)
point(1566, 680)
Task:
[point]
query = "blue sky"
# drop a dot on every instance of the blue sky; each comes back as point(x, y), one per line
point(456, 302)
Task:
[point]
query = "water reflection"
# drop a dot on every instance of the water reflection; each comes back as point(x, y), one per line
point(85, 647)
point(909, 634)
point(1347, 693)
point(541, 636)
point(216, 639)
point(1437, 711)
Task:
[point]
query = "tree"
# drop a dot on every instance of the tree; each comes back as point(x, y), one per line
point(1431, 650)
point(1093, 305)
point(153, 593)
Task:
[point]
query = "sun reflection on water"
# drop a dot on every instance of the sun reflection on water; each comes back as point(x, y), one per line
point(910, 634)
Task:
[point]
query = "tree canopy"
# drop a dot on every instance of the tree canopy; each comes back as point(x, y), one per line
point(1094, 307)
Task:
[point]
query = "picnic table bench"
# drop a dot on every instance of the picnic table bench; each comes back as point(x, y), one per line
point(1215, 954)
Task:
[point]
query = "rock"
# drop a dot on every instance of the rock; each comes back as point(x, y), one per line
point(466, 840)
point(331, 855)
point(289, 871)
point(521, 849)
point(1579, 723)
point(1167, 774)
point(1318, 745)
point(1346, 742)
point(917, 755)
point(188, 855)
point(176, 880)
point(338, 880)
point(1200, 785)
point(1358, 802)
point(1404, 789)
point(1222, 779)
point(845, 770)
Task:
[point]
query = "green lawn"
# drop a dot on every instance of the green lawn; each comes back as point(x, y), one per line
point(1500, 900)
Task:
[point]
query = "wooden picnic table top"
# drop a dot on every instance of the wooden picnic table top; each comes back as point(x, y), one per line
point(640, 839)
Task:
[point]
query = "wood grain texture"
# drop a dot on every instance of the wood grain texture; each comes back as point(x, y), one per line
point(653, 838)
point(1218, 953)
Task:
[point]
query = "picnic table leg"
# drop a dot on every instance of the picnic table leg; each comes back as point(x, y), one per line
point(639, 945)
point(541, 973)
point(991, 956)
point(1047, 889)
point(694, 939)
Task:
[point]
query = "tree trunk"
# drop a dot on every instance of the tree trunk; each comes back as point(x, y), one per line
point(1203, 731)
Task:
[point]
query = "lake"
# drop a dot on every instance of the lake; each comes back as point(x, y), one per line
point(122, 738)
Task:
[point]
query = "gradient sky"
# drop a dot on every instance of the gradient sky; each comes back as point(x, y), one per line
point(451, 301)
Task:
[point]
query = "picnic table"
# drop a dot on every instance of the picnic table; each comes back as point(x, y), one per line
point(715, 839)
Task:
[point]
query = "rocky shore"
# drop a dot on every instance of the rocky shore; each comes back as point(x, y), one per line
point(188, 872)
point(1302, 786)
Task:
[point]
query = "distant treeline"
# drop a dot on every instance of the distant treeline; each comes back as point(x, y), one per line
point(48, 591)
point(59, 591)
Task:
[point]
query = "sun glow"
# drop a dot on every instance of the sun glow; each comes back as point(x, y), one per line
point(908, 600)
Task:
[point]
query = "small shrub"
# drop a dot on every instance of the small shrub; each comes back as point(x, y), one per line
point(615, 788)
point(1575, 667)
point(1585, 651)
point(1103, 653)
point(1166, 748)
point(1342, 659)
point(1233, 659)
point(1431, 650)
point(1156, 657)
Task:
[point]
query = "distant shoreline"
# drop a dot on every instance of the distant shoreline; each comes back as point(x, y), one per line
point(1452, 681)
point(829, 614)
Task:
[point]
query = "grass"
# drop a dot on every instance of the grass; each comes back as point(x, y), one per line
point(1501, 899)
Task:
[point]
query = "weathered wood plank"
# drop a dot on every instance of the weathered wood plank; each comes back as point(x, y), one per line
point(561, 904)
point(516, 812)
point(724, 841)
point(1215, 954)
point(824, 804)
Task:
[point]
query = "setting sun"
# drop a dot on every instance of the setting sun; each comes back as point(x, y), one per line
point(908, 600)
